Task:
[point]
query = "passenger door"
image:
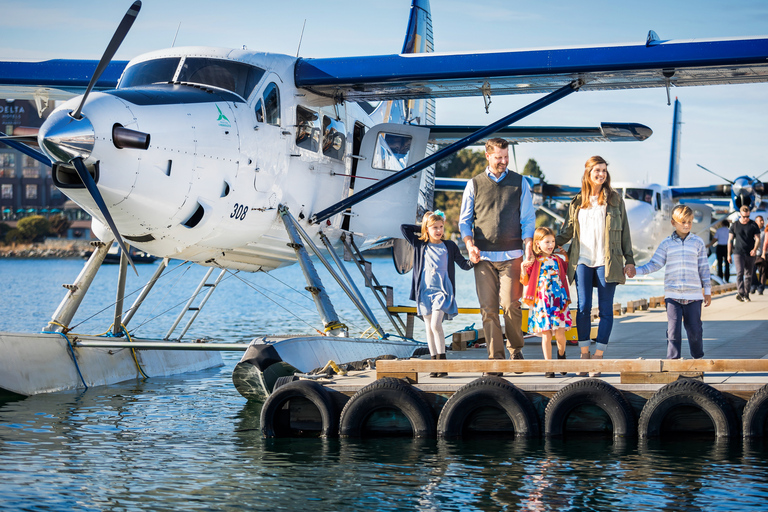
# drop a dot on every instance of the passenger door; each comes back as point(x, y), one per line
point(386, 149)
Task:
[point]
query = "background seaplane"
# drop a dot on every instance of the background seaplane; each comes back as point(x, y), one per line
point(237, 160)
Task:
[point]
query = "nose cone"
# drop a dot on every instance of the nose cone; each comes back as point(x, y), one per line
point(63, 138)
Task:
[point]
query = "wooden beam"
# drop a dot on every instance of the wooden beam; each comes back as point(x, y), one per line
point(577, 365)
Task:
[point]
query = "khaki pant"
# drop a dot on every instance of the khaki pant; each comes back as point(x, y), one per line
point(498, 284)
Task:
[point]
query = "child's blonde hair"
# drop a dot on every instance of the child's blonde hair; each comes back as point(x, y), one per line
point(428, 220)
point(538, 236)
point(681, 213)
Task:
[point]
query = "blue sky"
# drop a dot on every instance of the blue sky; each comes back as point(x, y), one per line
point(725, 127)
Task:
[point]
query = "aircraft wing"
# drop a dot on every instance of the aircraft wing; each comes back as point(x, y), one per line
point(58, 79)
point(700, 192)
point(606, 132)
point(440, 75)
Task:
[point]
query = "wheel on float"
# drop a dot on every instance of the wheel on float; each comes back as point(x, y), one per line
point(594, 392)
point(321, 416)
point(755, 418)
point(687, 393)
point(487, 392)
point(381, 398)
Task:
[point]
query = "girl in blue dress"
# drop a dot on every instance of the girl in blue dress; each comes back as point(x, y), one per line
point(434, 282)
point(546, 294)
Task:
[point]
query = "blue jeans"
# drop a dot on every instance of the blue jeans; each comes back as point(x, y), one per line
point(585, 278)
point(690, 316)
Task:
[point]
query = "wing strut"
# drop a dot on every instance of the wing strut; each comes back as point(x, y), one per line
point(446, 151)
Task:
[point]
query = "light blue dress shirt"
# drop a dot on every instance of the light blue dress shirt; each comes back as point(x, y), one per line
point(527, 217)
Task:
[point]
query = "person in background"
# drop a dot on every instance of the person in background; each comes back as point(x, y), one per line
point(600, 253)
point(687, 272)
point(721, 250)
point(434, 283)
point(546, 294)
point(742, 247)
point(497, 221)
point(758, 274)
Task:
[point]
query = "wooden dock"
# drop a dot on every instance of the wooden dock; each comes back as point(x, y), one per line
point(735, 364)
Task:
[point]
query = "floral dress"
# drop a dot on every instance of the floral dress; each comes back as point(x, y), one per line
point(436, 292)
point(550, 311)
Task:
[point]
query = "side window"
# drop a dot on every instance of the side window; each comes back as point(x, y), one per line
point(307, 129)
point(334, 138)
point(391, 152)
point(259, 112)
point(658, 201)
point(272, 104)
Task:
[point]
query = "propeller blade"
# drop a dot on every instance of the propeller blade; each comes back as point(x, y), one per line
point(757, 178)
point(724, 179)
point(87, 179)
point(27, 139)
point(114, 44)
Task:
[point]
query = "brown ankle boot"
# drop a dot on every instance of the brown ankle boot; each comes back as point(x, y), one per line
point(441, 374)
point(584, 356)
point(595, 374)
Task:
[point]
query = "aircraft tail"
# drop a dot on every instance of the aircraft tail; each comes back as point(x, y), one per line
point(674, 157)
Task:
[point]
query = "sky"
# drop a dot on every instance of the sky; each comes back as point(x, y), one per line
point(724, 128)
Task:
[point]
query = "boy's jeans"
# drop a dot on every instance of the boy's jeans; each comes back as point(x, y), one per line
point(690, 316)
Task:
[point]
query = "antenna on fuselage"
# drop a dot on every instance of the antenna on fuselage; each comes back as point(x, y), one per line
point(301, 37)
point(175, 36)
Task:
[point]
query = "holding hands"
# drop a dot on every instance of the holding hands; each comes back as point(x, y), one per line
point(629, 270)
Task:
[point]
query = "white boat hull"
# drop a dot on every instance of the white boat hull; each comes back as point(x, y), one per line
point(33, 363)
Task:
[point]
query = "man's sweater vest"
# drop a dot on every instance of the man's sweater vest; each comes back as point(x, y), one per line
point(497, 212)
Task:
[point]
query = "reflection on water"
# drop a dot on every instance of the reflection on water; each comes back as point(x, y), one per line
point(192, 442)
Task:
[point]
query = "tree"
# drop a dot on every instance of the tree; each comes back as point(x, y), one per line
point(59, 225)
point(33, 228)
point(532, 169)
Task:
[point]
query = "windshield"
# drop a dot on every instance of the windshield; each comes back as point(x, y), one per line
point(233, 76)
point(150, 72)
point(226, 74)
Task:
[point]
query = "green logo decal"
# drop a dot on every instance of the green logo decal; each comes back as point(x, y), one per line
point(223, 121)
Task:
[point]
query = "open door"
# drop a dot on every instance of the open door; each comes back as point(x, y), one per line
point(388, 148)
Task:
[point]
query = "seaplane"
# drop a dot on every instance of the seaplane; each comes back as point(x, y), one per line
point(243, 160)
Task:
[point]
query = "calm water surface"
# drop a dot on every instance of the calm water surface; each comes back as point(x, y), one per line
point(191, 442)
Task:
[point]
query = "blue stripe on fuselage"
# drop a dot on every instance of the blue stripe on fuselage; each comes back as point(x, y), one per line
point(174, 94)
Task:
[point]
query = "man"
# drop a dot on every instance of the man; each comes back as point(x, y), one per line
point(758, 274)
point(742, 247)
point(497, 222)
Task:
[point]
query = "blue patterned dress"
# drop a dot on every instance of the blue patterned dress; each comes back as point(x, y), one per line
point(550, 310)
point(435, 291)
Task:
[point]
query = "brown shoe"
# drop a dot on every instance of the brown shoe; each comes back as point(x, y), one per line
point(519, 356)
point(584, 355)
point(595, 374)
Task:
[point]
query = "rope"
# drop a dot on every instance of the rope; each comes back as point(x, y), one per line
point(332, 364)
point(71, 353)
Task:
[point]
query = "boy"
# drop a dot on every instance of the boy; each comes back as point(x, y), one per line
point(685, 256)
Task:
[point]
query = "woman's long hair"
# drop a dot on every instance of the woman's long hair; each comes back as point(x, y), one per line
point(586, 183)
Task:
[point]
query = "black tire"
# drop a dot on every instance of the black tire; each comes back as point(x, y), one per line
point(692, 393)
point(387, 393)
point(273, 422)
point(485, 392)
point(756, 413)
point(593, 392)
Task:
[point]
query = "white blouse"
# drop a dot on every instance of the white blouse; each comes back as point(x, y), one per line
point(592, 234)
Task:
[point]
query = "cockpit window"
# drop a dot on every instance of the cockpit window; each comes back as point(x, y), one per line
point(640, 194)
point(150, 72)
point(226, 74)
point(307, 129)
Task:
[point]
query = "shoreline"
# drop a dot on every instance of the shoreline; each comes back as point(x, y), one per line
point(50, 249)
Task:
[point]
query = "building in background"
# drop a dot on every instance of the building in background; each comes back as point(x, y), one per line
point(26, 185)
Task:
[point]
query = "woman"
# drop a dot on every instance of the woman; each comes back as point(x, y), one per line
point(600, 252)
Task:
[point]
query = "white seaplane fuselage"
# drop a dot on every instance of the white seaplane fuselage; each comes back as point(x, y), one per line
point(220, 161)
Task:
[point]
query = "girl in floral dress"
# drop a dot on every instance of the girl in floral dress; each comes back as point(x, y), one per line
point(546, 294)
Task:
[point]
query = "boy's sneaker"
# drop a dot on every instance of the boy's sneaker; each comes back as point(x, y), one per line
point(739, 298)
point(747, 299)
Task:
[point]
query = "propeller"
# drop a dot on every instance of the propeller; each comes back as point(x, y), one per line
point(90, 184)
point(109, 53)
point(724, 179)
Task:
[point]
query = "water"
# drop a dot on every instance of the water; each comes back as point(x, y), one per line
point(191, 442)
